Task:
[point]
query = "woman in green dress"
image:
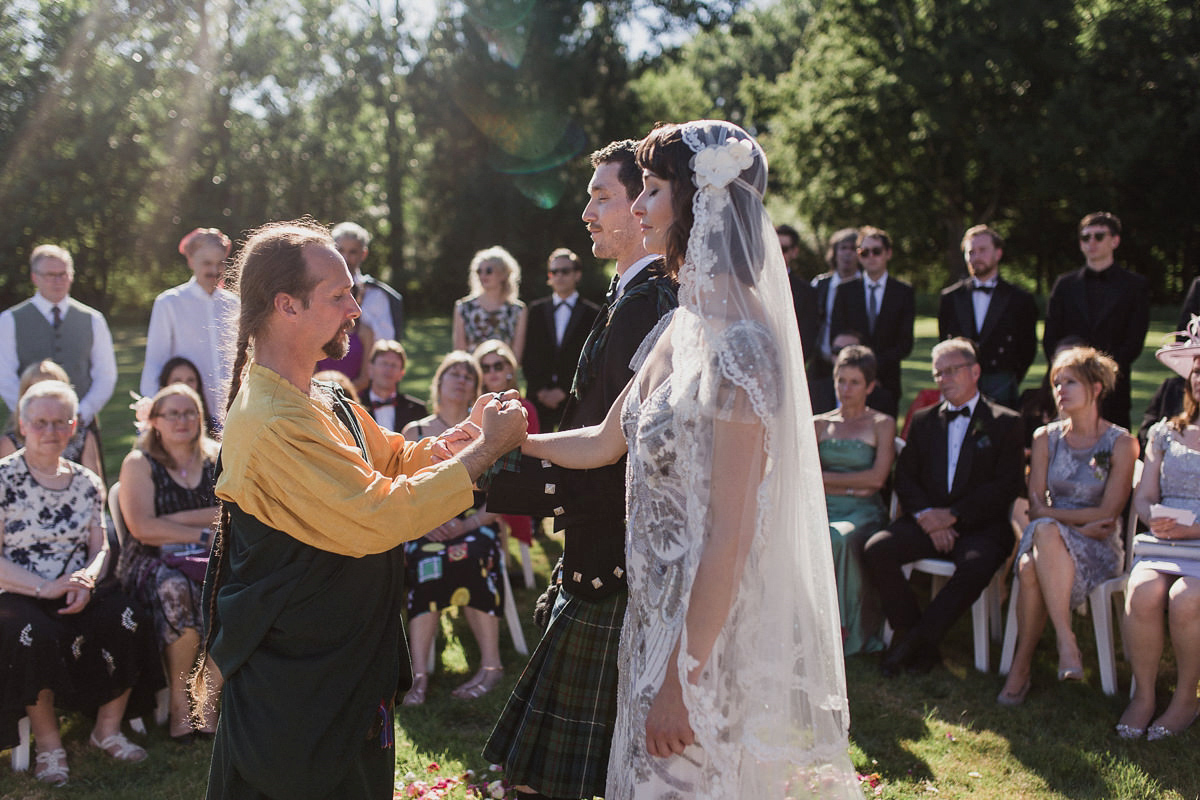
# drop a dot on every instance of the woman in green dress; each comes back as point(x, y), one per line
point(857, 448)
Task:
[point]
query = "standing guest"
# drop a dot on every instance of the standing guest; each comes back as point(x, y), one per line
point(83, 448)
point(316, 501)
point(804, 295)
point(1165, 583)
point(190, 320)
point(1105, 304)
point(382, 306)
point(857, 448)
point(498, 366)
point(458, 562)
point(558, 327)
point(62, 641)
point(731, 681)
point(1080, 476)
point(181, 370)
point(390, 408)
point(1000, 318)
point(491, 310)
point(167, 501)
point(879, 306)
point(53, 325)
point(1189, 309)
point(956, 478)
point(842, 258)
point(553, 737)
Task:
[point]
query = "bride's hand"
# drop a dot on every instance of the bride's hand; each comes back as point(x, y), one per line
point(668, 731)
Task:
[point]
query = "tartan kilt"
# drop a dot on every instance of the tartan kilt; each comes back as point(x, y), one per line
point(555, 731)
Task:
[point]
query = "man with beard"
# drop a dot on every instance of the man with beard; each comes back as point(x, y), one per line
point(305, 585)
point(553, 737)
point(1000, 318)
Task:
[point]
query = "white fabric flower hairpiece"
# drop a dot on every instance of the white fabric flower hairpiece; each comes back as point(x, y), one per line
point(718, 165)
point(141, 410)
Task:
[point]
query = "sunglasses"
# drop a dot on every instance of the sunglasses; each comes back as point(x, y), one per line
point(870, 251)
point(495, 366)
point(1099, 236)
point(485, 270)
point(560, 271)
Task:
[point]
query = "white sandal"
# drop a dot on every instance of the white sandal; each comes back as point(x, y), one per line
point(52, 767)
point(119, 747)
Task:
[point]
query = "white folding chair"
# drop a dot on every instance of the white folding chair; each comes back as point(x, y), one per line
point(1100, 604)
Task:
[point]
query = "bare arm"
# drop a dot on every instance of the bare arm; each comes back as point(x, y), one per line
point(459, 334)
point(584, 448)
point(1116, 489)
point(868, 481)
point(518, 342)
point(1149, 492)
point(137, 506)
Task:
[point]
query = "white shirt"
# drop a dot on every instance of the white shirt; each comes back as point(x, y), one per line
point(188, 321)
point(563, 308)
point(385, 416)
point(980, 301)
point(103, 359)
point(377, 311)
point(633, 271)
point(956, 432)
point(868, 283)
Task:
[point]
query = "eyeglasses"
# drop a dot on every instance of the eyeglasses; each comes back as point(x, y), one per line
point(176, 416)
point(560, 271)
point(495, 366)
point(43, 425)
point(870, 251)
point(1099, 236)
point(939, 374)
point(461, 374)
point(54, 276)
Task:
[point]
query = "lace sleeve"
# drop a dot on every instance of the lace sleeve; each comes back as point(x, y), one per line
point(745, 386)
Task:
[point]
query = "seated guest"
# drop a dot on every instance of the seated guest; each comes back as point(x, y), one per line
point(62, 641)
point(83, 447)
point(1079, 482)
point(857, 448)
point(498, 366)
point(181, 370)
point(1161, 583)
point(1167, 402)
point(956, 477)
point(391, 409)
point(458, 563)
point(821, 390)
point(168, 504)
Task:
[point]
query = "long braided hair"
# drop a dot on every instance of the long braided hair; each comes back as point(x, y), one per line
point(270, 262)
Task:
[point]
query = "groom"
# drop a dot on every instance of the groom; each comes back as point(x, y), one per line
point(554, 734)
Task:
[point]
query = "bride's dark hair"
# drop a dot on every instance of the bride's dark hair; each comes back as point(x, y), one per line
point(664, 153)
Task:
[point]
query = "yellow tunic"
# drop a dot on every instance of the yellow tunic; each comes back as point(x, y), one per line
point(287, 461)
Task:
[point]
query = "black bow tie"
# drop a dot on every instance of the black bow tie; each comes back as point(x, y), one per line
point(560, 303)
point(372, 404)
point(949, 415)
point(984, 289)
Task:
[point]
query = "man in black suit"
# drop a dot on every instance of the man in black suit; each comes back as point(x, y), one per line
point(842, 258)
point(804, 296)
point(956, 478)
point(554, 734)
point(880, 307)
point(558, 326)
point(1104, 304)
point(1000, 318)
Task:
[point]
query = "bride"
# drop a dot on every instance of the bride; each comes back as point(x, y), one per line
point(731, 675)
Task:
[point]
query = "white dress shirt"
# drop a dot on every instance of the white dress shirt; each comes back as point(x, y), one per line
point(103, 359)
point(563, 308)
point(377, 312)
point(188, 321)
point(980, 301)
point(633, 271)
point(956, 432)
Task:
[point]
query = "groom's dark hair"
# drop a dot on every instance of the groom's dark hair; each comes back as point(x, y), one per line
point(623, 153)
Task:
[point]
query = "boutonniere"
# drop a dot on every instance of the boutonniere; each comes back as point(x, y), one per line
point(1101, 463)
point(979, 435)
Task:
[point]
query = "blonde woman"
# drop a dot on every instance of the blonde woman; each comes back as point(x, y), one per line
point(491, 310)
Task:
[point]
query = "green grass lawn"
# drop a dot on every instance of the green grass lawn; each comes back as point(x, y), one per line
point(940, 735)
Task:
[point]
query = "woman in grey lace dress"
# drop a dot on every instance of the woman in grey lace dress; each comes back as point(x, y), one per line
point(1157, 583)
point(1079, 480)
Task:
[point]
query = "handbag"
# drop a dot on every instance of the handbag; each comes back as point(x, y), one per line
point(1147, 545)
point(191, 560)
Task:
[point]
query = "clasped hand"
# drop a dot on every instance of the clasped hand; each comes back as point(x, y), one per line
point(498, 416)
point(75, 589)
point(1169, 528)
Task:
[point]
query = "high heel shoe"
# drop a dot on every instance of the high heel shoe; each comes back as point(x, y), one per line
point(416, 695)
point(1157, 732)
point(1016, 698)
point(1128, 732)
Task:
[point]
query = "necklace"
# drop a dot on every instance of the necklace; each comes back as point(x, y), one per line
point(58, 470)
point(182, 469)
